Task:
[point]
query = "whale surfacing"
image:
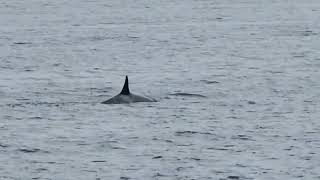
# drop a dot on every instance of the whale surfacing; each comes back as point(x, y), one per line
point(126, 97)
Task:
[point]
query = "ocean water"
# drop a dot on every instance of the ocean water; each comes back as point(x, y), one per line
point(237, 84)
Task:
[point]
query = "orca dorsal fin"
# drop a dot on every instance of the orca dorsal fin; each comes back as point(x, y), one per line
point(125, 89)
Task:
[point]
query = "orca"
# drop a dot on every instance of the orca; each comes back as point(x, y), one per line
point(126, 96)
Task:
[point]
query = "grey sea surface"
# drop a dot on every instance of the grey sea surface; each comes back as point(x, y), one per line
point(237, 84)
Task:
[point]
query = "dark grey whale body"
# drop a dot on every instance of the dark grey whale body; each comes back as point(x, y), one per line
point(126, 97)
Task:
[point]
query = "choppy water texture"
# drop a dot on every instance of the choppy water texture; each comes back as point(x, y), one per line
point(237, 84)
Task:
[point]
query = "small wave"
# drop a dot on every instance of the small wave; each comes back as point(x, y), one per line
point(209, 82)
point(157, 157)
point(3, 146)
point(98, 161)
point(179, 133)
point(31, 150)
point(188, 95)
point(22, 43)
point(50, 104)
point(233, 177)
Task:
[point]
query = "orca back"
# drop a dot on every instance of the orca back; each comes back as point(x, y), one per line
point(126, 97)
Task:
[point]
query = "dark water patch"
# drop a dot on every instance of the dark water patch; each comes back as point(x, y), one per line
point(117, 147)
point(233, 177)
point(311, 132)
point(229, 145)
point(196, 102)
point(31, 103)
point(99, 161)
point(195, 159)
point(183, 168)
point(298, 55)
point(272, 158)
point(92, 171)
point(100, 90)
point(83, 144)
point(124, 178)
point(159, 175)
point(168, 141)
point(307, 158)
point(252, 102)
point(308, 33)
point(240, 165)
point(38, 79)
point(133, 137)
point(45, 162)
point(251, 111)
point(157, 157)
point(92, 72)
point(246, 57)
point(184, 145)
point(275, 72)
point(209, 82)
point(233, 117)
point(36, 118)
point(6, 117)
point(57, 64)
point(49, 104)
point(31, 150)
point(22, 43)
point(132, 37)
point(42, 169)
point(296, 33)
point(7, 177)
point(289, 148)
point(3, 146)
point(6, 67)
point(253, 68)
point(218, 149)
point(132, 168)
point(164, 140)
point(52, 162)
point(22, 99)
point(222, 171)
point(180, 133)
point(15, 105)
point(187, 95)
point(242, 137)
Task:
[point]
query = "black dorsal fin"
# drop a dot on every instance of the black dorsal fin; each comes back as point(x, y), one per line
point(125, 89)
